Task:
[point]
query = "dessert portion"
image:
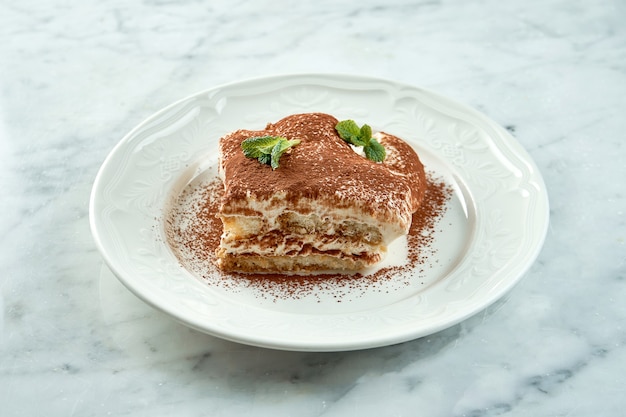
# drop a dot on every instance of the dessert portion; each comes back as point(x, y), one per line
point(322, 207)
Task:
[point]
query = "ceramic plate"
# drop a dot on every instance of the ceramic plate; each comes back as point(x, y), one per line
point(491, 233)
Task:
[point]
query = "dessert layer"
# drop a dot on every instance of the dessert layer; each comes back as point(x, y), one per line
point(312, 262)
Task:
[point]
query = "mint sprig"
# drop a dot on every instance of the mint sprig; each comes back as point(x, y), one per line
point(361, 136)
point(267, 149)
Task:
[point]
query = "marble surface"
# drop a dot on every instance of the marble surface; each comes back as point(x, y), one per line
point(76, 76)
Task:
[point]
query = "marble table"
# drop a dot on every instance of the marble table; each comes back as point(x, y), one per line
point(76, 77)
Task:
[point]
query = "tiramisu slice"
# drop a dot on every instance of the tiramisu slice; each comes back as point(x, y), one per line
point(326, 207)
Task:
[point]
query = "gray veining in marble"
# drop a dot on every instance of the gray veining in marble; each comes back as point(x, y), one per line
point(76, 76)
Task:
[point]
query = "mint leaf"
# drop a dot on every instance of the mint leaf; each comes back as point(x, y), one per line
point(259, 145)
point(279, 149)
point(366, 133)
point(265, 159)
point(349, 131)
point(267, 149)
point(374, 151)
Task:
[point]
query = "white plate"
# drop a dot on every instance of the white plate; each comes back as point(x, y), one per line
point(491, 234)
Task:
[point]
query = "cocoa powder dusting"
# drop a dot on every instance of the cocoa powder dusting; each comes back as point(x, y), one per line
point(421, 233)
point(193, 232)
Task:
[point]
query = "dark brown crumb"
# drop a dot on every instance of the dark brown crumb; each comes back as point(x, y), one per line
point(193, 231)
